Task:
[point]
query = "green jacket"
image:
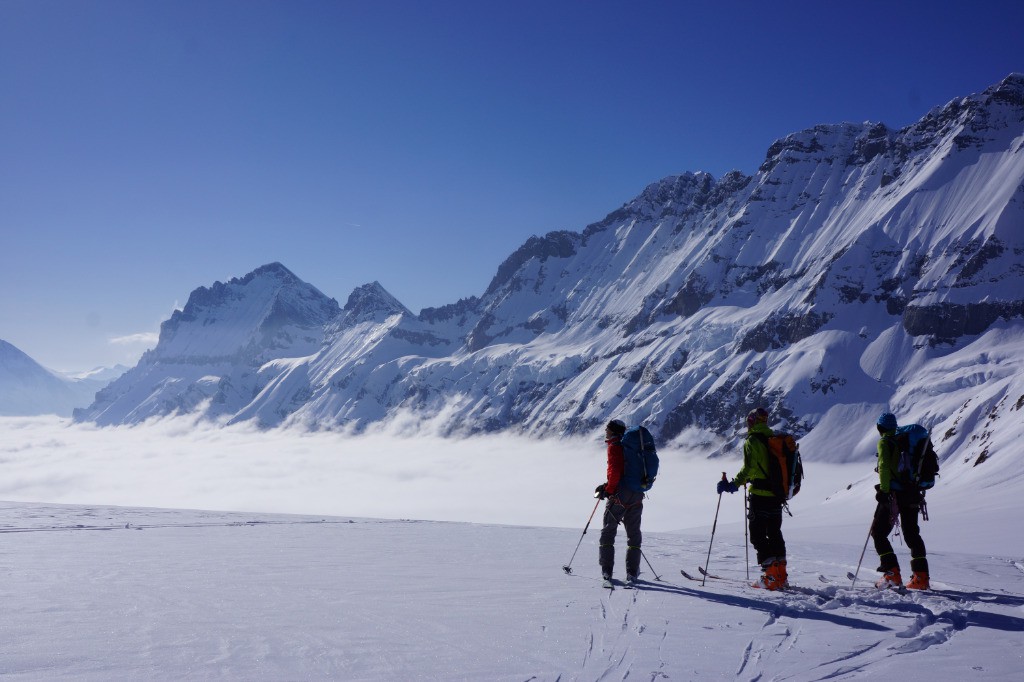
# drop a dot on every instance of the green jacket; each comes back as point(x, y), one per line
point(888, 461)
point(755, 462)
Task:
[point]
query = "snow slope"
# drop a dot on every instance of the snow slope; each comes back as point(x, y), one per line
point(28, 388)
point(101, 593)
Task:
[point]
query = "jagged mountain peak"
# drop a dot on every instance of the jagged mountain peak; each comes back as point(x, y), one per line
point(270, 293)
point(461, 309)
point(209, 352)
point(272, 277)
point(263, 302)
point(1010, 89)
point(674, 195)
point(674, 188)
point(371, 299)
point(560, 244)
point(976, 111)
point(815, 144)
point(274, 270)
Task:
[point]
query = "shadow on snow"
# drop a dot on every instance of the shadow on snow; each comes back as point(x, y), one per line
point(772, 608)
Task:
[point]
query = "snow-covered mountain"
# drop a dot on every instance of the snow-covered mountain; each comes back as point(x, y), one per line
point(27, 388)
point(860, 269)
point(101, 375)
point(210, 353)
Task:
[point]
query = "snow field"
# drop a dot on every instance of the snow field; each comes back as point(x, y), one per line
point(122, 593)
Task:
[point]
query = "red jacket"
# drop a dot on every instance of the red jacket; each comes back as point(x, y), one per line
point(616, 463)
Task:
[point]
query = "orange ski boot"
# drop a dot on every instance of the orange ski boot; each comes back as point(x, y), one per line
point(773, 578)
point(890, 579)
point(780, 573)
point(919, 581)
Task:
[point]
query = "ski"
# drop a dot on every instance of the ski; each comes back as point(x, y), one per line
point(710, 575)
point(742, 582)
point(702, 572)
point(901, 589)
point(706, 575)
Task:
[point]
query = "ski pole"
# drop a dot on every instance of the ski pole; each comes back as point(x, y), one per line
point(656, 576)
point(870, 528)
point(746, 531)
point(568, 567)
point(713, 527)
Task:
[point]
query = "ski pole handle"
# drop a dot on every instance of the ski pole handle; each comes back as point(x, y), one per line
point(724, 477)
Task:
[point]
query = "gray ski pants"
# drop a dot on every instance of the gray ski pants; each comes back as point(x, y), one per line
point(625, 507)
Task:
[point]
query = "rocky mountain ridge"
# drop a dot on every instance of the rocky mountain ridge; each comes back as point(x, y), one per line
point(823, 287)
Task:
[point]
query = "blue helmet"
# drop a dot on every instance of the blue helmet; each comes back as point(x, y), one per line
point(886, 422)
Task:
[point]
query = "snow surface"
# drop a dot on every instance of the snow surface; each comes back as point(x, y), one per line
point(99, 592)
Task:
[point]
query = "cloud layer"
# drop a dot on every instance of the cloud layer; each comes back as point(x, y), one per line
point(181, 463)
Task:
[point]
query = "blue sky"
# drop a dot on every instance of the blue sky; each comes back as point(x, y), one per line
point(148, 148)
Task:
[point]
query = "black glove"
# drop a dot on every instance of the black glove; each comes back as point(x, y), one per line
point(599, 491)
point(727, 487)
point(883, 497)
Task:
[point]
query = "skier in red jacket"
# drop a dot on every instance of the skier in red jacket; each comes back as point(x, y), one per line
point(624, 506)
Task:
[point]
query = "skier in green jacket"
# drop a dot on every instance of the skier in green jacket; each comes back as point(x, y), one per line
point(896, 501)
point(765, 509)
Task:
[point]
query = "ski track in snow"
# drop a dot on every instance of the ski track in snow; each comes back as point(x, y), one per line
point(617, 644)
point(929, 625)
point(922, 620)
point(914, 623)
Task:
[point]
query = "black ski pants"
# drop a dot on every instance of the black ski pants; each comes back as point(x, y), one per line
point(765, 517)
point(625, 507)
point(909, 504)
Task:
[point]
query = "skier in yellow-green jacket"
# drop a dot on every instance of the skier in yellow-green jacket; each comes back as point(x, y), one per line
point(765, 509)
point(896, 501)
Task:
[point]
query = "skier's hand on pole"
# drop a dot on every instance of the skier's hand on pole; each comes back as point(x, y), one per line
point(726, 486)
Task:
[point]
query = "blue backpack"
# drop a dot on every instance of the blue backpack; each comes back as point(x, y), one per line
point(918, 465)
point(640, 459)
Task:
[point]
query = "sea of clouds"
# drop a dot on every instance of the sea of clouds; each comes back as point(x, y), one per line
point(185, 463)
